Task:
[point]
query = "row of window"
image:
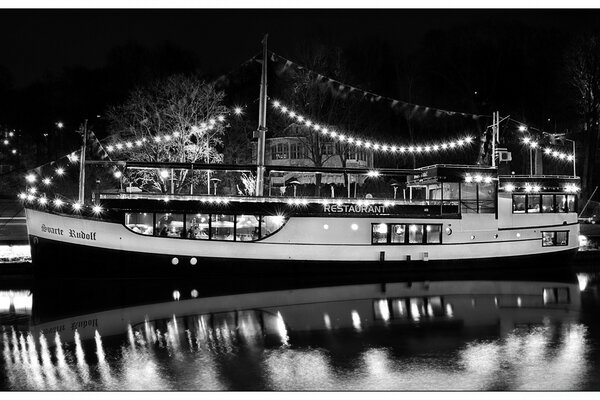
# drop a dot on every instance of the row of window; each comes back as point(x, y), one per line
point(241, 228)
point(297, 151)
point(543, 203)
point(559, 238)
point(406, 233)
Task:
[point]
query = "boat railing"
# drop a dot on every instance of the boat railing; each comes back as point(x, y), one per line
point(273, 199)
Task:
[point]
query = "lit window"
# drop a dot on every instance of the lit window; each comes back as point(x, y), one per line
point(169, 225)
point(398, 233)
point(138, 222)
point(380, 233)
point(197, 226)
point(434, 233)
point(415, 233)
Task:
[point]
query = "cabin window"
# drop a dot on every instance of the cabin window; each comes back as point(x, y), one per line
point(169, 225)
point(246, 228)
point(222, 227)
point(468, 197)
point(561, 203)
point(548, 203)
point(451, 192)
point(140, 222)
point(519, 203)
point(545, 203)
point(197, 226)
point(533, 204)
point(555, 238)
point(434, 234)
point(571, 203)
point(270, 224)
point(398, 233)
point(415, 234)
point(406, 233)
point(243, 228)
point(486, 197)
point(380, 233)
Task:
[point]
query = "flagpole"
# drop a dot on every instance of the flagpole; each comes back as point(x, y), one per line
point(82, 165)
point(260, 133)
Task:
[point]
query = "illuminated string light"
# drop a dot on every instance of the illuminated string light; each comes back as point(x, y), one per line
point(58, 203)
point(97, 209)
point(77, 206)
point(46, 181)
point(60, 171)
point(30, 178)
point(367, 144)
point(478, 178)
point(204, 126)
point(549, 151)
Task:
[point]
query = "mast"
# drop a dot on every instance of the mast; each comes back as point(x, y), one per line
point(82, 164)
point(260, 133)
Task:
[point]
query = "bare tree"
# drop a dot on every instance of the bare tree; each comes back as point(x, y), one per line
point(178, 119)
point(583, 68)
point(322, 103)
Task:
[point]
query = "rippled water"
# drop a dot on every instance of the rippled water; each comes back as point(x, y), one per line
point(428, 335)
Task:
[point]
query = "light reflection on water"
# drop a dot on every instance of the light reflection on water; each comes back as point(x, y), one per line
point(401, 339)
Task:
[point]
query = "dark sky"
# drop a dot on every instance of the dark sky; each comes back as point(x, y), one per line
point(35, 41)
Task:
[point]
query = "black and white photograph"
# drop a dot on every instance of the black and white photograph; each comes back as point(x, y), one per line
point(313, 198)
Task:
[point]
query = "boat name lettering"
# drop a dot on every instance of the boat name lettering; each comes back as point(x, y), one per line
point(54, 329)
point(82, 235)
point(93, 323)
point(55, 231)
point(350, 208)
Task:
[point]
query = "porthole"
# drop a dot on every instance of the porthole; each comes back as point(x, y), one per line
point(472, 237)
point(495, 236)
point(354, 227)
point(175, 261)
point(518, 235)
point(193, 261)
point(325, 226)
point(449, 231)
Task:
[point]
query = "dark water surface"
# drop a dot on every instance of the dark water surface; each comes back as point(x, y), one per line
point(528, 331)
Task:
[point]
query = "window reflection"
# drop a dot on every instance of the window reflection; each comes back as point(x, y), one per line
point(519, 203)
point(246, 228)
point(197, 226)
point(242, 228)
point(270, 224)
point(548, 203)
point(380, 232)
point(434, 233)
point(140, 223)
point(398, 233)
point(533, 204)
point(170, 225)
point(415, 233)
point(222, 227)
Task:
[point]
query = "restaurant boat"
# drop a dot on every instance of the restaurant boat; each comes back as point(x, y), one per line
point(448, 217)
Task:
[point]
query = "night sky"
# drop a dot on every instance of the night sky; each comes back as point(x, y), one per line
point(36, 41)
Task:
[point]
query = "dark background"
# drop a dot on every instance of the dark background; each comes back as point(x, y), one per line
point(69, 65)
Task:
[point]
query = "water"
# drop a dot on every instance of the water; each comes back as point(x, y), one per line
point(471, 333)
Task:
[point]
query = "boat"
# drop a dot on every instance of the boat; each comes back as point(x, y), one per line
point(449, 217)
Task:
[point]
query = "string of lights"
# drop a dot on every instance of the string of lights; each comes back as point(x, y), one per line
point(204, 127)
point(366, 144)
point(532, 143)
